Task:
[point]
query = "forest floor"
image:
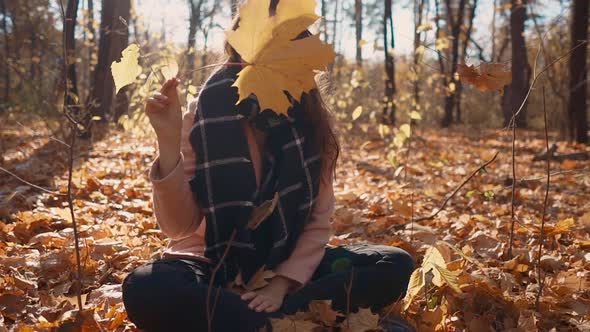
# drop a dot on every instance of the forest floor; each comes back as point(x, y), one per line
point(484, 289)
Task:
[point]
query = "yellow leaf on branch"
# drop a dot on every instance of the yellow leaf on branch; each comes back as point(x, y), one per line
point(126, 71)
point(275, 61)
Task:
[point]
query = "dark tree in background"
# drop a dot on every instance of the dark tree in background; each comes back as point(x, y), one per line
point(195, 9)
point(234, 7)
point(71, 87)
point(463, 57)
point(358, 18)
point(578, 105)
point(418, 17)
point(521, 70)
point(114, 35)
point(389, 46)
point(454, 20)
point(5, 65)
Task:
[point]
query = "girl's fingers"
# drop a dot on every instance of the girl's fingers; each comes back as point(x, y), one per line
point(272, 308)
point(155, 104)
point(256, 302)
point(248, 296)
point(170, 84)
point(161, 98)
point(264, 306)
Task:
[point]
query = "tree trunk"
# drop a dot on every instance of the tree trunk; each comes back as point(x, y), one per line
point(119, 43)
point(71, 87)
point(113, 39)
point(521, 70)
point(234, 7)
point(6, 53)
point(335, 22)
point(324, 13)
point(91, 42)
point(389, 107)
point(578, 107)
point(455, 21)
point(194, 24)
point(418, 16)
point(358, 14)
point(463, 56)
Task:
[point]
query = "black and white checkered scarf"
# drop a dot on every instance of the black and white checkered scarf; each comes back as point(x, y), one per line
point(225, 183)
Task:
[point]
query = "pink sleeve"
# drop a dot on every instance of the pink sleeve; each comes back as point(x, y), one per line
point(177, 212)
point(310, 246)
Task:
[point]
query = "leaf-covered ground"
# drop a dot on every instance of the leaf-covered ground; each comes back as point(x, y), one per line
point(480, 289)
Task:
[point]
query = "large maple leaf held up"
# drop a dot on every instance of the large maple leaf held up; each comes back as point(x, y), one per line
point(275, 61)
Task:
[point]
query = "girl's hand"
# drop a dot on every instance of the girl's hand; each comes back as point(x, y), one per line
point(270, 298)
point(165, 114)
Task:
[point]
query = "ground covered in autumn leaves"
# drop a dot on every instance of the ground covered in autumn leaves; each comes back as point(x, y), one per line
point(466, 282)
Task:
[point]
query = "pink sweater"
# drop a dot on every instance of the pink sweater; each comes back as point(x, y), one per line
point(181, 219)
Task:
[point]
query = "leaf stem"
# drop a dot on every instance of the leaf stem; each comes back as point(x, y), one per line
point(228, 64)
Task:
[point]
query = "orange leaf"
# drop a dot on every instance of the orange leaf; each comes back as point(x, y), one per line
point(486, 77)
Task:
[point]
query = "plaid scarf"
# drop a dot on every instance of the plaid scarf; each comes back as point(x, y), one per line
point(225, 182)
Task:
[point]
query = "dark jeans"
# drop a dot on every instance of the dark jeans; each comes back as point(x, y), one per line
point(170, 295)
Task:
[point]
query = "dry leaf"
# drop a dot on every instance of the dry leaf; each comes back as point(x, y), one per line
point(262, 212)
point(276, 62)
point(486, 77)
point(289, 325)
point(361, 321)
point(126, 71)
point(324, 312)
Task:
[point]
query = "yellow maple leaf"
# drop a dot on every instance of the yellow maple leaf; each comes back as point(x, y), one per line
point(275, 62)
point(487, 77)
point(126, 71)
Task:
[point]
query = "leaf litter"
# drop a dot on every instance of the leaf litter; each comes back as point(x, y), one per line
point(464, 280)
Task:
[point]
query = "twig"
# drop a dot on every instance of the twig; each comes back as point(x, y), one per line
point(513, 195)
point(446, 201)
point(73, 133)
point(544, 214)
point(211, 281)
point(229, 64)
point(30, 184)
point(557, 173)
point(512, 124)
point(349, 296)
point(536, 77)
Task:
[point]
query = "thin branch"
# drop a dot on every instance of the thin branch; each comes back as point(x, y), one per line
point(30, 184)
point(454, 193)
point(536, 76)
point(210, 312)
point(513, 196)
point(544, 214)
point(73, 133)
point(229, 64)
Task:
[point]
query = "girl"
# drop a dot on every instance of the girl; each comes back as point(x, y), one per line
point(221, 164)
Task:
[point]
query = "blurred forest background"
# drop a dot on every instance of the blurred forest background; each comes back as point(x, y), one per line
point(388, 83)
point(429, 162)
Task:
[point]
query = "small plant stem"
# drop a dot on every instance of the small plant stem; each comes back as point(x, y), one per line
point(228, 64)
point(544, 214)
point(210, 311)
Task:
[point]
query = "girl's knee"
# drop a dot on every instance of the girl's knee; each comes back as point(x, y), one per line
point(397, 259)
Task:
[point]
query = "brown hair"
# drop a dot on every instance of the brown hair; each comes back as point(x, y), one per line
point(316, 111)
